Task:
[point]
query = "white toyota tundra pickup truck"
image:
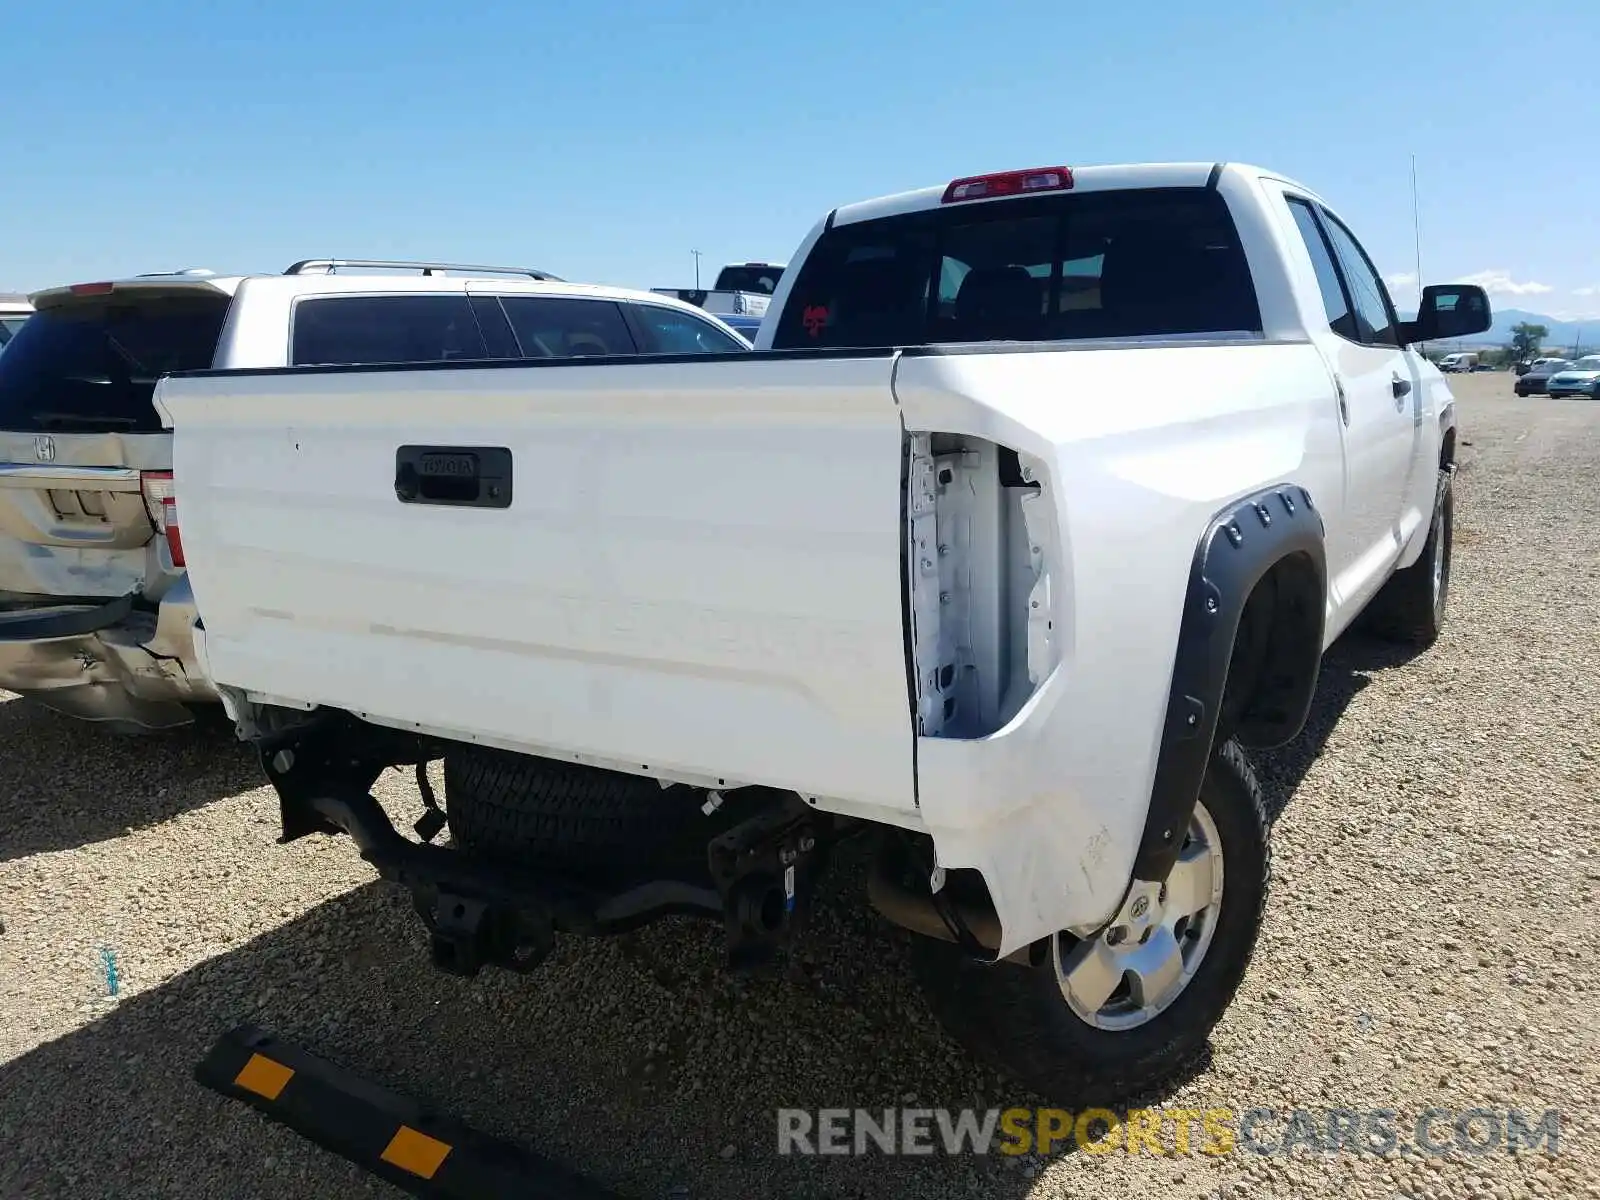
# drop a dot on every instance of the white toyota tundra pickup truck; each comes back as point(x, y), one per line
point(1034, 508)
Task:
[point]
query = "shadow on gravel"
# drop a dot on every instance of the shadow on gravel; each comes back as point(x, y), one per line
point(635, 1060)
point(1346, 669)
point(66, 782)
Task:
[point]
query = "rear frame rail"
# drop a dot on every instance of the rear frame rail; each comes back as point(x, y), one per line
point(760, 874)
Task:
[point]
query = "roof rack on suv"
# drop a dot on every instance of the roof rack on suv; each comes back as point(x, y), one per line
point(331, 265)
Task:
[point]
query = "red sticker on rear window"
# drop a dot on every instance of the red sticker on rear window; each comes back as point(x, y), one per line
point(814, 318)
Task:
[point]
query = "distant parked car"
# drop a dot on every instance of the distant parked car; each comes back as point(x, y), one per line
point(14, 310)
point(1581, 378)
point(1535, 382)
point(741, 290)
point(1461, 360)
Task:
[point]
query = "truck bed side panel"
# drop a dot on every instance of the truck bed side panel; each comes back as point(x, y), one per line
point(1137, 449)
point(699, 573)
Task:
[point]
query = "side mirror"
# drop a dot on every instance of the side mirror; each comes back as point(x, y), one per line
point(1450, 310)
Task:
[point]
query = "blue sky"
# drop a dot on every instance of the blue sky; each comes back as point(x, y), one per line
point(605, 140)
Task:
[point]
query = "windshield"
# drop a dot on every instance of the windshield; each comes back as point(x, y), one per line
point(1145, 262)
point(93, 367)
point(1590, 362)
point(756, 277)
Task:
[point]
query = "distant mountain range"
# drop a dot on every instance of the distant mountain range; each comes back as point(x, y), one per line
point(1562, 335)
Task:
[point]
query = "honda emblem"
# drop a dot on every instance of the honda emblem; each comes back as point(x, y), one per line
point(44, 448)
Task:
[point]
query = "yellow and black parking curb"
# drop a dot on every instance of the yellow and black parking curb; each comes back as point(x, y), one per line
point(424, 1153)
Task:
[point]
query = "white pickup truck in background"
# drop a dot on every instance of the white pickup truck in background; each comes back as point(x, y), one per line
point(741, 290)
point(1039, 501)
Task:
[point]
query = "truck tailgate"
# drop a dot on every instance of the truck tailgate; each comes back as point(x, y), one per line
point(698, 572)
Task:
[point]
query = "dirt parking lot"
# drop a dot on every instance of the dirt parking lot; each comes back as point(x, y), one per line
point(1430, 943)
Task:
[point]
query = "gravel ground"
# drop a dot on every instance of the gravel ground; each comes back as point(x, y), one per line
point(1430, 943)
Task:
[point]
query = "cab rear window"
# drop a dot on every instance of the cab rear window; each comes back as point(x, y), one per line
point(1142, 262)
point(752, 277)
point(92, 367)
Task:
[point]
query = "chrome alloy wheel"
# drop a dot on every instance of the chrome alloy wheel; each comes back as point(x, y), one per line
point(1141, 963)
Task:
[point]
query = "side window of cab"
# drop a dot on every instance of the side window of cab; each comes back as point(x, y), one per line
point(1376, 323)
point(1335, 298)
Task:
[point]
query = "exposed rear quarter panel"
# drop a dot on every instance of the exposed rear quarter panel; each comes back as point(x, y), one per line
point(1139, 449)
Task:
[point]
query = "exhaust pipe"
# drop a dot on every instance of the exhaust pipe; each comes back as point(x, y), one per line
point(913, 908)
point(915, 911)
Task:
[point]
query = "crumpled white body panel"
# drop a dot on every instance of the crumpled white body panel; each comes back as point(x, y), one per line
point(1051, 806)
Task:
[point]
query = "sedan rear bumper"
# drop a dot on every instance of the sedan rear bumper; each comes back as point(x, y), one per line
point(107, 662)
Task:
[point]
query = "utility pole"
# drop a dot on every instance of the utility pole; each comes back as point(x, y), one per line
point(696, 254)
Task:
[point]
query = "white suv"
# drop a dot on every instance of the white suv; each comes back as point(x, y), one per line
point(96, 612)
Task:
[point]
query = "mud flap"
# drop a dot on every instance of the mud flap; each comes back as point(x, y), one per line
point(422, 1152)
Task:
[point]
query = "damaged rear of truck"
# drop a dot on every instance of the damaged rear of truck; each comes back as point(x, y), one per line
point(1032, 508)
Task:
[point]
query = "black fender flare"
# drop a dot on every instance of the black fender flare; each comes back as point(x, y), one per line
point(1241, 544)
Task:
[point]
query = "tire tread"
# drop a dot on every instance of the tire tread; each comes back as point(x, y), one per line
point(1403, 611)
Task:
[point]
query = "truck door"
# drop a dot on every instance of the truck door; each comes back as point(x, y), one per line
point(1378, 395)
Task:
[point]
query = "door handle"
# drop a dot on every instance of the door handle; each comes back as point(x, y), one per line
point(1400, 387)
point(458, 476)
point(1344, 408)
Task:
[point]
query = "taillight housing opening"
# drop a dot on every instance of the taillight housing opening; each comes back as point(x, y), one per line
point(1008, 183)
point(161, 502)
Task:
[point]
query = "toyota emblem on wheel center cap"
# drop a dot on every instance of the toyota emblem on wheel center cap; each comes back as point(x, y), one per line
point(44, 448)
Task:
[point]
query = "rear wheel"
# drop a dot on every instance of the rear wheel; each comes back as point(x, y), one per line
point(1112, 1017)
point(1411, 606)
